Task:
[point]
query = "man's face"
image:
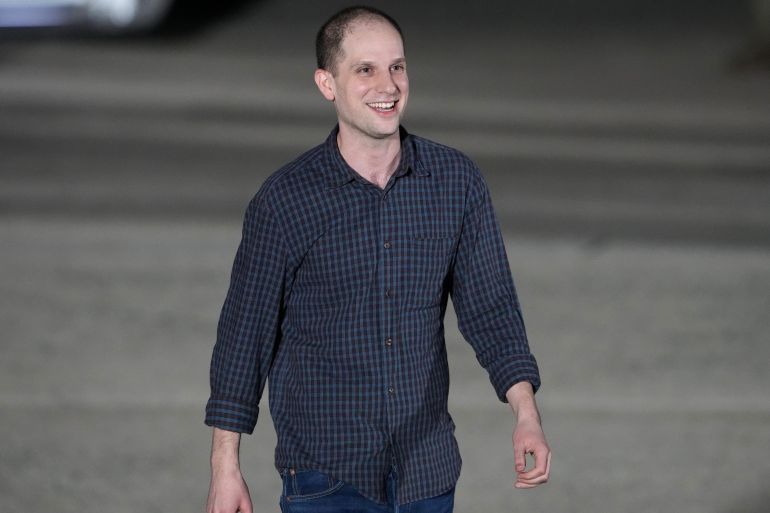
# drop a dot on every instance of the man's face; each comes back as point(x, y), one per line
point(370, 87)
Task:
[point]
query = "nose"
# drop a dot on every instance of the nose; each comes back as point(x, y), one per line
point(386, 84)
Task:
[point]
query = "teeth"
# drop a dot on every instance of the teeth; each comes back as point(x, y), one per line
point(382, 105)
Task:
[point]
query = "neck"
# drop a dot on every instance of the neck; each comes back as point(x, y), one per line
point(374, 159)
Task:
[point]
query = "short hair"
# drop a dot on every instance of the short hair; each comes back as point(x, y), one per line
point(328, 41)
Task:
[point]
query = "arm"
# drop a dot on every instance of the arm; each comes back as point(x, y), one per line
point(528, 437)
point(484, 297)
point(490, 319)
point(247, 336)
point(228, 492)
point(249, 325)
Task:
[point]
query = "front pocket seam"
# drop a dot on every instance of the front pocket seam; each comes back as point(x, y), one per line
point(317, 495)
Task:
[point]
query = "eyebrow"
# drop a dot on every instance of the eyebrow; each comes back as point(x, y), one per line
point(399, 60)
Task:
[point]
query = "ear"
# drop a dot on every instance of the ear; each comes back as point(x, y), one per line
point(325, 82)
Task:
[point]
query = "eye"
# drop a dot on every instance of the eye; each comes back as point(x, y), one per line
point(398, 68)
point(365, 70)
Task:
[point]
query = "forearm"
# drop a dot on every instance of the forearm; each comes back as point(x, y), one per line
point(521, 398)
point(225, 450)
point(228, 492)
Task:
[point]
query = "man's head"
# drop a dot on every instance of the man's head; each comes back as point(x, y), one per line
point(362, 69)
point(328, 41)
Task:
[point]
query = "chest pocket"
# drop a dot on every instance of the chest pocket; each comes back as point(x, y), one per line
point(426, 261)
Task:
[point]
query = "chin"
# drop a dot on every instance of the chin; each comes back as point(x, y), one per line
point(388, 131)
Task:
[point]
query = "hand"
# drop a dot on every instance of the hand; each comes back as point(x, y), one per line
point(528, 438)
point(228, 493)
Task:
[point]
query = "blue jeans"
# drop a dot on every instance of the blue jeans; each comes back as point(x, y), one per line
point(311, 491)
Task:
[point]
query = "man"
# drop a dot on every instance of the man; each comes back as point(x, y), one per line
point(338, 292)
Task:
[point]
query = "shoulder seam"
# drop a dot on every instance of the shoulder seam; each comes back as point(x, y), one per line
point(288, 168)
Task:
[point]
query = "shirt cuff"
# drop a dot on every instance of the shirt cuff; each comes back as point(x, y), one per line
point(231, 415)
point(512, 369)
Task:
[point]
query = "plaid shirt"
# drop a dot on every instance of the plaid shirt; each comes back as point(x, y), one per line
point(338, 293)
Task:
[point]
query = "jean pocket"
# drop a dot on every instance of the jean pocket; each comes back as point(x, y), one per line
point(307, 485)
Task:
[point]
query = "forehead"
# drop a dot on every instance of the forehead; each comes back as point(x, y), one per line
point(370, 38)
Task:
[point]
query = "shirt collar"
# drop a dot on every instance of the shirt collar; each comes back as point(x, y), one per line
point(338, 172)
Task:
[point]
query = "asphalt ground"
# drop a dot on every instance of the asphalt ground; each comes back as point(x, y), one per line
point(654, 360)
point(629, 167)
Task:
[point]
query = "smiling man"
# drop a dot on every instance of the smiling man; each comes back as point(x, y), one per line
point(338, 293)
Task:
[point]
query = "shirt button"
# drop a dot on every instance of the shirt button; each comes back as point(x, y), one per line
point(387, 244)
point(391, 390)
point(389, 341)
point(388, 292)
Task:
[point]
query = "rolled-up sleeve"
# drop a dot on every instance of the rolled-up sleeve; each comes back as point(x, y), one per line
point(484, 297)
point(249, 323)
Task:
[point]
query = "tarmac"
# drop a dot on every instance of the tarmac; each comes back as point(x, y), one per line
point(629, 169)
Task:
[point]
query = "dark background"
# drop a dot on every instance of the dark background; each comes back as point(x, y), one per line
point(627, 148)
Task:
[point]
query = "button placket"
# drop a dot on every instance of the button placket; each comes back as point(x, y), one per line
point(389, 293)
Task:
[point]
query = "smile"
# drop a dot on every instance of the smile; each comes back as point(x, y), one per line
point(383, 106)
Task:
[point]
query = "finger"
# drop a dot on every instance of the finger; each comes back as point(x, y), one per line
point(535, 481)
point(541, 464)
point(520, 458)
point(540, 479)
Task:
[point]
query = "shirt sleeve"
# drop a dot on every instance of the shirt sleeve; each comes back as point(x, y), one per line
point(484, 297)
point(249, 323)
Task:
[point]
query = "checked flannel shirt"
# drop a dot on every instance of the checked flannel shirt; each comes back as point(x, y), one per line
point(338, 293)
